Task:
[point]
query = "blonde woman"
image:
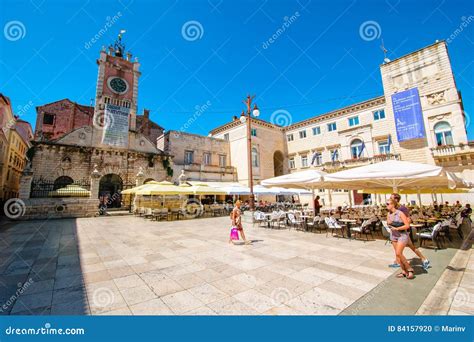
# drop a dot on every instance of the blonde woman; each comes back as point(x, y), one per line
point(399, 225)
point(236, 217)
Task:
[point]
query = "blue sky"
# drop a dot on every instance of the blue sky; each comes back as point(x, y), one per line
point(319, 63)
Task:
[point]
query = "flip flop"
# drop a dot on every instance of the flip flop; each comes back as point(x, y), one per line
point(401, 275)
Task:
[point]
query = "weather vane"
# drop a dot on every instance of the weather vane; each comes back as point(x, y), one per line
point(385, 58)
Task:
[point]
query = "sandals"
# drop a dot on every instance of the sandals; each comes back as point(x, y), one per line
point(401, 275)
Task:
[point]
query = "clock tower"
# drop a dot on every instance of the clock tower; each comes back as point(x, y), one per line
point(117, 88)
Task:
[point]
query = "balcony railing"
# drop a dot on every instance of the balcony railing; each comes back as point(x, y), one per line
point(451, 150)
point(208, 168)
point(337, 165)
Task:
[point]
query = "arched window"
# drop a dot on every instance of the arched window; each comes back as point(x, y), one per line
point(255, 157)
point(357, 147)
point(443, 134)
point(62, 182)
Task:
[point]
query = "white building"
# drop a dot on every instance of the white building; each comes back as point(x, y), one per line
point(366, 132)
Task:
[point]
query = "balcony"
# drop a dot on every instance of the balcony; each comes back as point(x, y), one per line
point(196, 167)
point(452, 150)
point(355, 162)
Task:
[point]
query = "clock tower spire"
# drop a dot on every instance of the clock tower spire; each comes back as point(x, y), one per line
point(117, 90)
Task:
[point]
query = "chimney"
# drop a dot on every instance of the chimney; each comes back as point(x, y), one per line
point(146, 122)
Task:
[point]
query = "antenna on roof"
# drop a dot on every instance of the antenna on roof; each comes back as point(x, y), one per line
point(385, 58)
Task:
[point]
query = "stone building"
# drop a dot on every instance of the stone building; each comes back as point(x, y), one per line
point(15, 139)
point(200, 158)
point(367, 132)
point(269, 149)
point(105, 148)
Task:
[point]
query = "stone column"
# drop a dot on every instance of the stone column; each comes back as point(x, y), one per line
point(95, 181)
point(25, 183)
point(140, 177)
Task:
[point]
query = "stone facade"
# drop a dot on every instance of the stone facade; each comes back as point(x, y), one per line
point(54, 208)
point(70, 145)
point(268, 145)
point(55, 120)
point(201, 158)
point(365, 132)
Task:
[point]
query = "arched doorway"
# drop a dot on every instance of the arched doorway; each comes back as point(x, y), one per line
point(62, 182)
point(110, 187)
point(148, 180)
point(278, 163)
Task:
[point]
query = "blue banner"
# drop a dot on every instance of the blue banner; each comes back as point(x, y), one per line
point(237, 328)
point(408, 115)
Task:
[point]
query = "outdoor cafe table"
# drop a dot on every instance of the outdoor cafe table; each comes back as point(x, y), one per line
point(305, 220)
point(415, 226)
point(348, 223)
point(268, 218)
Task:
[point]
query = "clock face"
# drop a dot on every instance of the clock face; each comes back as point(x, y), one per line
point(117, 85)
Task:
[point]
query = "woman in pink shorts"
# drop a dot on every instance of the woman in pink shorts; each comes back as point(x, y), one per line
point(399, 225)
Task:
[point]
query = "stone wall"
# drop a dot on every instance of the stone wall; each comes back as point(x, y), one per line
point(51, 161)
point(429, 70)
point(176, 143)
point(68, 116)
point(268, 140)
point(53, 208)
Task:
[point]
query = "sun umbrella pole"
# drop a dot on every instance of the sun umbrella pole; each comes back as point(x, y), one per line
point(330, 198)
point(350, 197)
point(419, 200)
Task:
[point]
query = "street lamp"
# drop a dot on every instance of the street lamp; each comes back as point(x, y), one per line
point(246, 117)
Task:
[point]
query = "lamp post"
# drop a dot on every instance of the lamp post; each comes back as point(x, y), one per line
point(246, 117)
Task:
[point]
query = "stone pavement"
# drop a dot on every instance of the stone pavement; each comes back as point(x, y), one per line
point(453, 294)
point(129, 265)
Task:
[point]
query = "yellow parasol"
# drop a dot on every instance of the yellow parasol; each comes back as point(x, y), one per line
point(71, 190)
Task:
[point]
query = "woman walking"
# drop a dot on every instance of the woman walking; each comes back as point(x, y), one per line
point(399, 225)
point(236, 217)
point(425, 262)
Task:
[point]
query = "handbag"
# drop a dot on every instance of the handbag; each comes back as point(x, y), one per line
point(234, 233)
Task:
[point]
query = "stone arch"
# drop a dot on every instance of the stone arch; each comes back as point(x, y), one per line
point(278, 159)
point(62, 181)
point(110, 186)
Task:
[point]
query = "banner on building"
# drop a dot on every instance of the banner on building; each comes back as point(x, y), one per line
point(115, 122)
point(408, 115)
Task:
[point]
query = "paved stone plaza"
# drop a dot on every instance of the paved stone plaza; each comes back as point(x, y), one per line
point(129, 265)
